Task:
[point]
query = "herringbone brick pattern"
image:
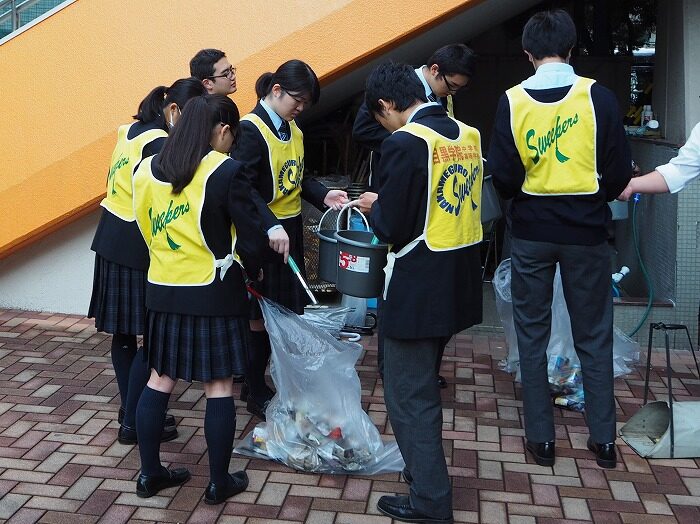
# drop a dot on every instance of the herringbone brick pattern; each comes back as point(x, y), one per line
point(60, 462)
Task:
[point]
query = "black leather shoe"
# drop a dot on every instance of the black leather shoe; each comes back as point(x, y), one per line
point(399, 508)
point(217, 494)
point(149, 485)
point(406, 476)
point(127, 435)
point(169, 419)
point(442, 383)
point(256, 409)
point(542, 452)
point(605, 455)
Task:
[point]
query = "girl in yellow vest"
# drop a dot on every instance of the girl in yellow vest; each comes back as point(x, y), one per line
point(121, 257)
point(194, 208)
point(272, 148)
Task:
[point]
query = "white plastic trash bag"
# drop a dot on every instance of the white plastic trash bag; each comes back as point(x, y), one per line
point(564, 368)
point(648, 431)
point(315, 422)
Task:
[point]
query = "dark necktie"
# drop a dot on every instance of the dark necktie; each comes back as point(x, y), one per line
point(284, 130)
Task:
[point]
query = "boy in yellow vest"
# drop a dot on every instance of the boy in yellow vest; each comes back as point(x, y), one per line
point(447, 71)
point(428, 210)
point(559, 150)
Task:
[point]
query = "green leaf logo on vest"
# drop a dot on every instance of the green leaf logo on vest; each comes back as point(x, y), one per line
point(160, 221)
point(111, 178)
point(463, 179)
point(552, 137)
point(289, 177)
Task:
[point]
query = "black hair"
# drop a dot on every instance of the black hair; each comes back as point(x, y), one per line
point(548, 34)
point(454, 59)
point(295, 77)
point(189, 141)
point(397, 83)
point(151, 108)
point(202, 64)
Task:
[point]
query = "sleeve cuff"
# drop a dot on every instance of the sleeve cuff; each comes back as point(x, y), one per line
point(673, 177)
point(273, 228)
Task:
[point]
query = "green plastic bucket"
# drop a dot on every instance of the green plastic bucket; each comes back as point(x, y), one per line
point(360, 264)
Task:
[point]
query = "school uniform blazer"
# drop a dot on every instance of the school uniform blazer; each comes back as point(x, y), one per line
point(432, 294)
point(251, 149)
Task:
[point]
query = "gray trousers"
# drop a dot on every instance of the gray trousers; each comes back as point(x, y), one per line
point(414, 407)
point(585, 274)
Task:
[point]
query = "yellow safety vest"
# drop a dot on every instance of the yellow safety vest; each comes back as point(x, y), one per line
point(286, 166)
point(171, 226)
point(556, 141)
point(450, 106)
point(455, 174)
point(126, 156)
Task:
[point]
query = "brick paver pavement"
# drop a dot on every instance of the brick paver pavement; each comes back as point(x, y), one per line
point(60, 462)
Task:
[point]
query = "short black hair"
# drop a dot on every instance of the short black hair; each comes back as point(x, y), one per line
point(397, 83)
point(202, 64)
point(549, 33)
point(454, 59)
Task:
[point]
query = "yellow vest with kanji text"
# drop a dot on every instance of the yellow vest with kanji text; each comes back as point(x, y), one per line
point(286, 159)
point(171, 226)
point(556, 141)
point(455, 176)
point(126, 156)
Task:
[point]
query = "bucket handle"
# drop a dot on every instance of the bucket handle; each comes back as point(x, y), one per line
point(351, 208)
point(337, 222)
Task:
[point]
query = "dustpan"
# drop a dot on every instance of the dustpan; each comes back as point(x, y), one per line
point(651, 434)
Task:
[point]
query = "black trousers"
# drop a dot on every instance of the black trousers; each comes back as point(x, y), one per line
point(585, 273)
point(414, 406)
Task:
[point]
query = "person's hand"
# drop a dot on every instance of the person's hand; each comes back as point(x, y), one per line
point(364, 203)
point(279, 242)
point(627, 192)
point(336, 199)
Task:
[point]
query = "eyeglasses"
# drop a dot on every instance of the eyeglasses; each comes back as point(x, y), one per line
point(452, 88)
point(305, 103)
point(229, 72)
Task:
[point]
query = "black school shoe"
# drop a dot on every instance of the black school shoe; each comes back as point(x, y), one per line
point(169, 419)
point(605, 455)
point(542, 452)
point(217, 494)
point(442, 383)
point(149, 485)
point(406, 476)
point(128, 435)
point(399, 508)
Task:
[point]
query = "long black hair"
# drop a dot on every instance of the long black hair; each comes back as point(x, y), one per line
point(189, 141)
point(295, 77)
point(151, 108)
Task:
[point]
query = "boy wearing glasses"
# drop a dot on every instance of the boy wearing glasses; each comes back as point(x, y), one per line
point(215, 71)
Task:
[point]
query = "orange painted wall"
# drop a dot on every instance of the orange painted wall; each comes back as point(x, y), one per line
point(69, 82)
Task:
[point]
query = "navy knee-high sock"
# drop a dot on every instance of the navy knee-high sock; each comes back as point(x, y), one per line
point(150, 415)
point(259, 357)
point(219, 428)
point(139, 373)
point(123, 353)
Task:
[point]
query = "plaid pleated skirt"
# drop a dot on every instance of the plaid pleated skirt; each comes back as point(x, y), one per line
point(198, 348)
point(118, 302)
point(279, 283)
